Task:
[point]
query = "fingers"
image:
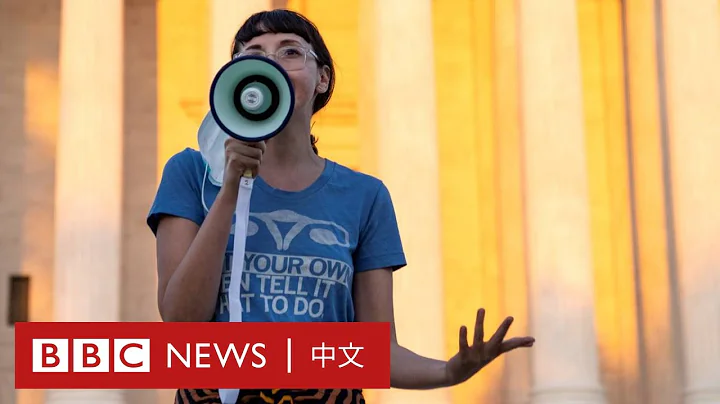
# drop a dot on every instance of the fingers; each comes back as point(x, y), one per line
point(514, 343)
point(241, 156)
point(463, 340)
point(479, 337)
point(254, 150)
point(496, 345)
point(260, 145)
point(500, 334)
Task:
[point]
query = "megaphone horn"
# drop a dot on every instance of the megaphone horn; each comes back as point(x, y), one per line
point(252, 98)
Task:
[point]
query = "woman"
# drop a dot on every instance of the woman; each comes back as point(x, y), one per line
point(305, 210)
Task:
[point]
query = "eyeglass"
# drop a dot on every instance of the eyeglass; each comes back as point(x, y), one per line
point(289, 57)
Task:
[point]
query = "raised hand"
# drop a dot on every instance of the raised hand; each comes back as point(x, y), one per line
point(471, 358)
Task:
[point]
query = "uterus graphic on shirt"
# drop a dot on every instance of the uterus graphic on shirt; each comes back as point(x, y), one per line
point(316, 233)
point(294, 264)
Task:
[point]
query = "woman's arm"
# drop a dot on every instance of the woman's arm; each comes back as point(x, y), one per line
point(379, 246)
point(190, 244)
point(190, 260)
point(373, 294)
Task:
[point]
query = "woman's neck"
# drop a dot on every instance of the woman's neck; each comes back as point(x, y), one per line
point(289, 161)
point(288, 149)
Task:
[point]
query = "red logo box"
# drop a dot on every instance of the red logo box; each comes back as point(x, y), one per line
point(201, 355)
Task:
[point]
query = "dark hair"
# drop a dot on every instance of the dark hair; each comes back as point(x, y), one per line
point(289, 22)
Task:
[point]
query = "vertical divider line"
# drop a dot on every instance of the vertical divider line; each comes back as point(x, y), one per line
point(289, 355)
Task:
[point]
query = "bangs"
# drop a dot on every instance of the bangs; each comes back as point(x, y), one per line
point(274, 22)
point(282, 21)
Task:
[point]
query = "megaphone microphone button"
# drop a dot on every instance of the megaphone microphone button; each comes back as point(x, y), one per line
point(251, 99)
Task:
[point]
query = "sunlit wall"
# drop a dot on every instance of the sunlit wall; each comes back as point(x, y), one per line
point(555, 161)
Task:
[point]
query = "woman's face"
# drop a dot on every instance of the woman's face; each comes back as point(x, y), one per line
point(307, 81)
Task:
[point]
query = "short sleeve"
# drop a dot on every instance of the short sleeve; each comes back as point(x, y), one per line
point(379, 244)
point(178, 193)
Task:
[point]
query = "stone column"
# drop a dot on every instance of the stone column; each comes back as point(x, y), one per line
point(397, 51)
point(692, 58)
point(659, 368)
point(226, 17)
point(88, 182)
point(565, 359)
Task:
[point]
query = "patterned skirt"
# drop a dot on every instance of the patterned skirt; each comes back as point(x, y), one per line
point(274, 396)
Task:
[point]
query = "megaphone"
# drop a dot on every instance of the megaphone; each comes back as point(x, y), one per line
point(251, 99)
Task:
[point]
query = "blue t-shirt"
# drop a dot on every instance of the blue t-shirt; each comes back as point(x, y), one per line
point(302, 248)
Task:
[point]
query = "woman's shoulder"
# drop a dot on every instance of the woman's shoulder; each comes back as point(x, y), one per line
point(186, 165)
point(355, 179)
point(187, 158)
point(179, 192)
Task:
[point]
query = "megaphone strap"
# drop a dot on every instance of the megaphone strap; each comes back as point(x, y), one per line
point(242, 217)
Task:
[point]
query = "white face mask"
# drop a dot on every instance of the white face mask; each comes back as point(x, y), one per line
point(211, 140)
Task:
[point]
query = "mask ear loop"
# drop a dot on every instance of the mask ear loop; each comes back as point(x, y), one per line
point(202, 188)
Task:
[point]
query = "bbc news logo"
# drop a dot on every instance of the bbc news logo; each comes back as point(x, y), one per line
point(161, 355)
point(91, 355)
